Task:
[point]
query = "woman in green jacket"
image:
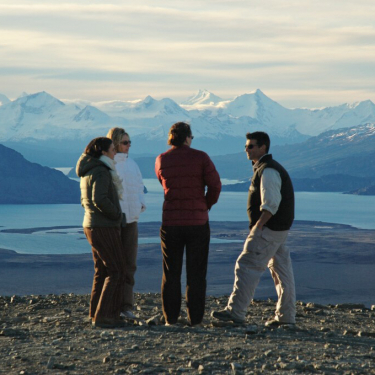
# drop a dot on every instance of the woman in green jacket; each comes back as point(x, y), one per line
point(100, 192)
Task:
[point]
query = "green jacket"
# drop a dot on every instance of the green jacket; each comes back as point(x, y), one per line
point(98, 194)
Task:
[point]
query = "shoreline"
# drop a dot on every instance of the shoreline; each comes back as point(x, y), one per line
point(333, 263)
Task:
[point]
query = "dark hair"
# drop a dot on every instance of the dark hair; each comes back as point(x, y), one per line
point(96, 147)
point(262, 138)
point(178, 133)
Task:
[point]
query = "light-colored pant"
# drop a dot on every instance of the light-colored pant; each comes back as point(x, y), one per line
point(264, 248)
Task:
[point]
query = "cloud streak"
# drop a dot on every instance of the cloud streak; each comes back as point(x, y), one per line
point(308, 53)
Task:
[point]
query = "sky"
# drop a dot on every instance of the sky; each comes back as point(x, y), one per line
point(299, 53)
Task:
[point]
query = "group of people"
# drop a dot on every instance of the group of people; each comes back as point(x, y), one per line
point(112, 194)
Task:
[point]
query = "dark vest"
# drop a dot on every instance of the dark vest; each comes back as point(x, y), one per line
point(284, 216)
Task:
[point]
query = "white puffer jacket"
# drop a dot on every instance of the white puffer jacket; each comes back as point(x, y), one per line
point(133, 198)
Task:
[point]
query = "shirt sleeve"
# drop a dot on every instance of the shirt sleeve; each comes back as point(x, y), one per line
point(270, 186)
point(212, 181)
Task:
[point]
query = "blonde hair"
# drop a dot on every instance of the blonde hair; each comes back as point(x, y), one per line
point(116, 135)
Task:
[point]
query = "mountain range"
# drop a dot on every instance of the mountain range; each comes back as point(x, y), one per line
point(337, 160)
point(54, 132)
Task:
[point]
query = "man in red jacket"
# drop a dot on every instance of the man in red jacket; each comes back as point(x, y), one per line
point(184, 173)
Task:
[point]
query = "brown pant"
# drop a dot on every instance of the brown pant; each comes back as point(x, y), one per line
point(196, 238)
point(108, 285)
point(129, 239)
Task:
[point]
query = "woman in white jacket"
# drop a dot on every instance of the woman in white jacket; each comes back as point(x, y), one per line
point(132, 204)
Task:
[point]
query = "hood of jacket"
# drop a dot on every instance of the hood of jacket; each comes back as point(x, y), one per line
point(86, 163)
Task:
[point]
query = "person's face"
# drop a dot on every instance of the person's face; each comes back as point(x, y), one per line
point(111, 152)
point(253, 151)
point(189, 140)
point(124, 144)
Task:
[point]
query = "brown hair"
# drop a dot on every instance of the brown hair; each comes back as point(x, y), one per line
point(96, 147)
point(116, 135)
point(262, 138)
point(178, 133)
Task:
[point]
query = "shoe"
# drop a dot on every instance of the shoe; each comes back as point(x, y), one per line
point(197, 325)
point(108, 323)
point(226, 316)
point(276, 323)
point(128, 315)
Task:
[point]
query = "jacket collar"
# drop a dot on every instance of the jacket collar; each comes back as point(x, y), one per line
point(120, 156)
point(264, 158)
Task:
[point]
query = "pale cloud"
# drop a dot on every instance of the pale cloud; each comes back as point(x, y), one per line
point(301, 53)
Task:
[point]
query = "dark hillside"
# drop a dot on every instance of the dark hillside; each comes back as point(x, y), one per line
point(23, 182)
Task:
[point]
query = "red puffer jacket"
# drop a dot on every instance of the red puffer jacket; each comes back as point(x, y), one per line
point(184, 173)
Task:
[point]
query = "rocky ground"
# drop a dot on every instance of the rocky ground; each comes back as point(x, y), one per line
point(52, 335)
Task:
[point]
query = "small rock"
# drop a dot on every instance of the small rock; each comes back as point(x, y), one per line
point(366, 334)
point(251, 329)
point(15, 299)
point(193, 364)
point(349, 306)
point(183, 369)
point(50, 363)
point(106, 359)
point(268, 353)
point(350, 332)
point(235, 366)
point(312, 305)
point(154, 321)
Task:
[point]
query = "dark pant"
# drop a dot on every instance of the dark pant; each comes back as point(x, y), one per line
point(196, 239)
point(107, 292)
point(129, 238)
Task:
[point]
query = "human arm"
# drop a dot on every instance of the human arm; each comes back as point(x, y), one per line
point(270, 186)
point(157, 169)
point(212, 181)
point(100, 198)
point(140, 187)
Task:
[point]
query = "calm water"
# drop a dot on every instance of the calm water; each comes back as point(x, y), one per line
point(358, 211)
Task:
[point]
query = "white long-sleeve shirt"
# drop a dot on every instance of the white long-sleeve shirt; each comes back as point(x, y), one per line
point(133, 199)
point(270, 189)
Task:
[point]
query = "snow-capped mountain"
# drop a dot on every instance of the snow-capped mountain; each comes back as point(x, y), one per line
point(3, 99)
point(348, 151)
point(146, 108)
point(279, 120)
point(42, 117)
point(202, 97)
point(219, 126)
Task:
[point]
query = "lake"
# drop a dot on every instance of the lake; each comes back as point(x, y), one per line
point(358, 211)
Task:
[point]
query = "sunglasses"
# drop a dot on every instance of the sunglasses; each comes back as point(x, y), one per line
point(125, 143)
point(250, 146)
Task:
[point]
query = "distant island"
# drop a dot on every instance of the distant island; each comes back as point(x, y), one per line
point(331, 183)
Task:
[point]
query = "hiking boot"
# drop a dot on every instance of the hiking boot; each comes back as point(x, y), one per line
point(128, 315)
point(108, 323)
point(226, 316)
point(276, 323)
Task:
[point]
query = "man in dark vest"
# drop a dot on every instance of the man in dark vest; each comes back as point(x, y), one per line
point(271, 212)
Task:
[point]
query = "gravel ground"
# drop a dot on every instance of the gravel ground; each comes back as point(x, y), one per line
point(52, 335)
